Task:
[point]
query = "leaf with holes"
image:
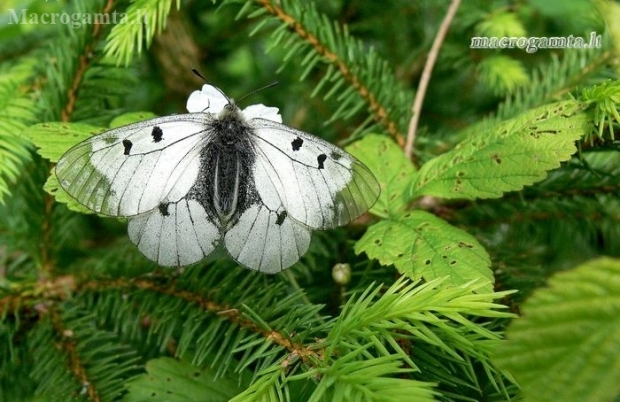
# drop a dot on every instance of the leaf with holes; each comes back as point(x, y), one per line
point(54, 188)
point(513, 154)
point(391, 168)
point(566, 345)
point(171, 380)
point(53, 139)
point(421, 245)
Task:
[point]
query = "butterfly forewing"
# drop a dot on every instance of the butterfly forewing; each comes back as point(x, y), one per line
point(319, 184)
point(132, 169)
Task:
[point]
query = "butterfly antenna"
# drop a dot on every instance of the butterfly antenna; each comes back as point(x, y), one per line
point(273, 84)
point(199, 75)
point(205, 80)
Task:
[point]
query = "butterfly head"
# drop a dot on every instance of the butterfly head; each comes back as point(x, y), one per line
point(230, 109)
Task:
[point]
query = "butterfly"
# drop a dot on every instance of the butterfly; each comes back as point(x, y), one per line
point(218, 176)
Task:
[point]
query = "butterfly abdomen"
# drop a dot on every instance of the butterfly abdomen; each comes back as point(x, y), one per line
point(224, 186)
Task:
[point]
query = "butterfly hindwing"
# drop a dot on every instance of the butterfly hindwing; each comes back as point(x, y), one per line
point(266, 240)
point(132, 169)
point(319, 184)
point(175, 234)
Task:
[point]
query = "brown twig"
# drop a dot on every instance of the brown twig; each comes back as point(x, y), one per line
point(63, 287)
point(222, 310)
point(68, 345)
point(83, 63)
point(232, 314)
point(426, 77)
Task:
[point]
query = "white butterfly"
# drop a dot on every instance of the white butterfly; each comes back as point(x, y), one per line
point(191, 182)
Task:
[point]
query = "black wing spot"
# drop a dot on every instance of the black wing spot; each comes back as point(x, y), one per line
point(163, 209)
point(335, 155)
point(157, 134)
point(281, 216)
point(127, 144)
point(321, 158)
point(297, 143)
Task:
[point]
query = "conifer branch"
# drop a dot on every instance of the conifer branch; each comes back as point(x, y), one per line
point(17, 111)
point(55, 289)
point(379, 111)
point(46, 243)
point(232, 314)
point(61, 288)
point(84, 62)
point(68, 346)
point(607, 57)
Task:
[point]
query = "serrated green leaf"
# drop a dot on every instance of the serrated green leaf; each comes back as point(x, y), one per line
point(129, 118)
point(421, 245)
point(52, 187)
point(566, 345)
point(172, 380)
point(506, 157)
point(54, 139)
point(391, 168)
